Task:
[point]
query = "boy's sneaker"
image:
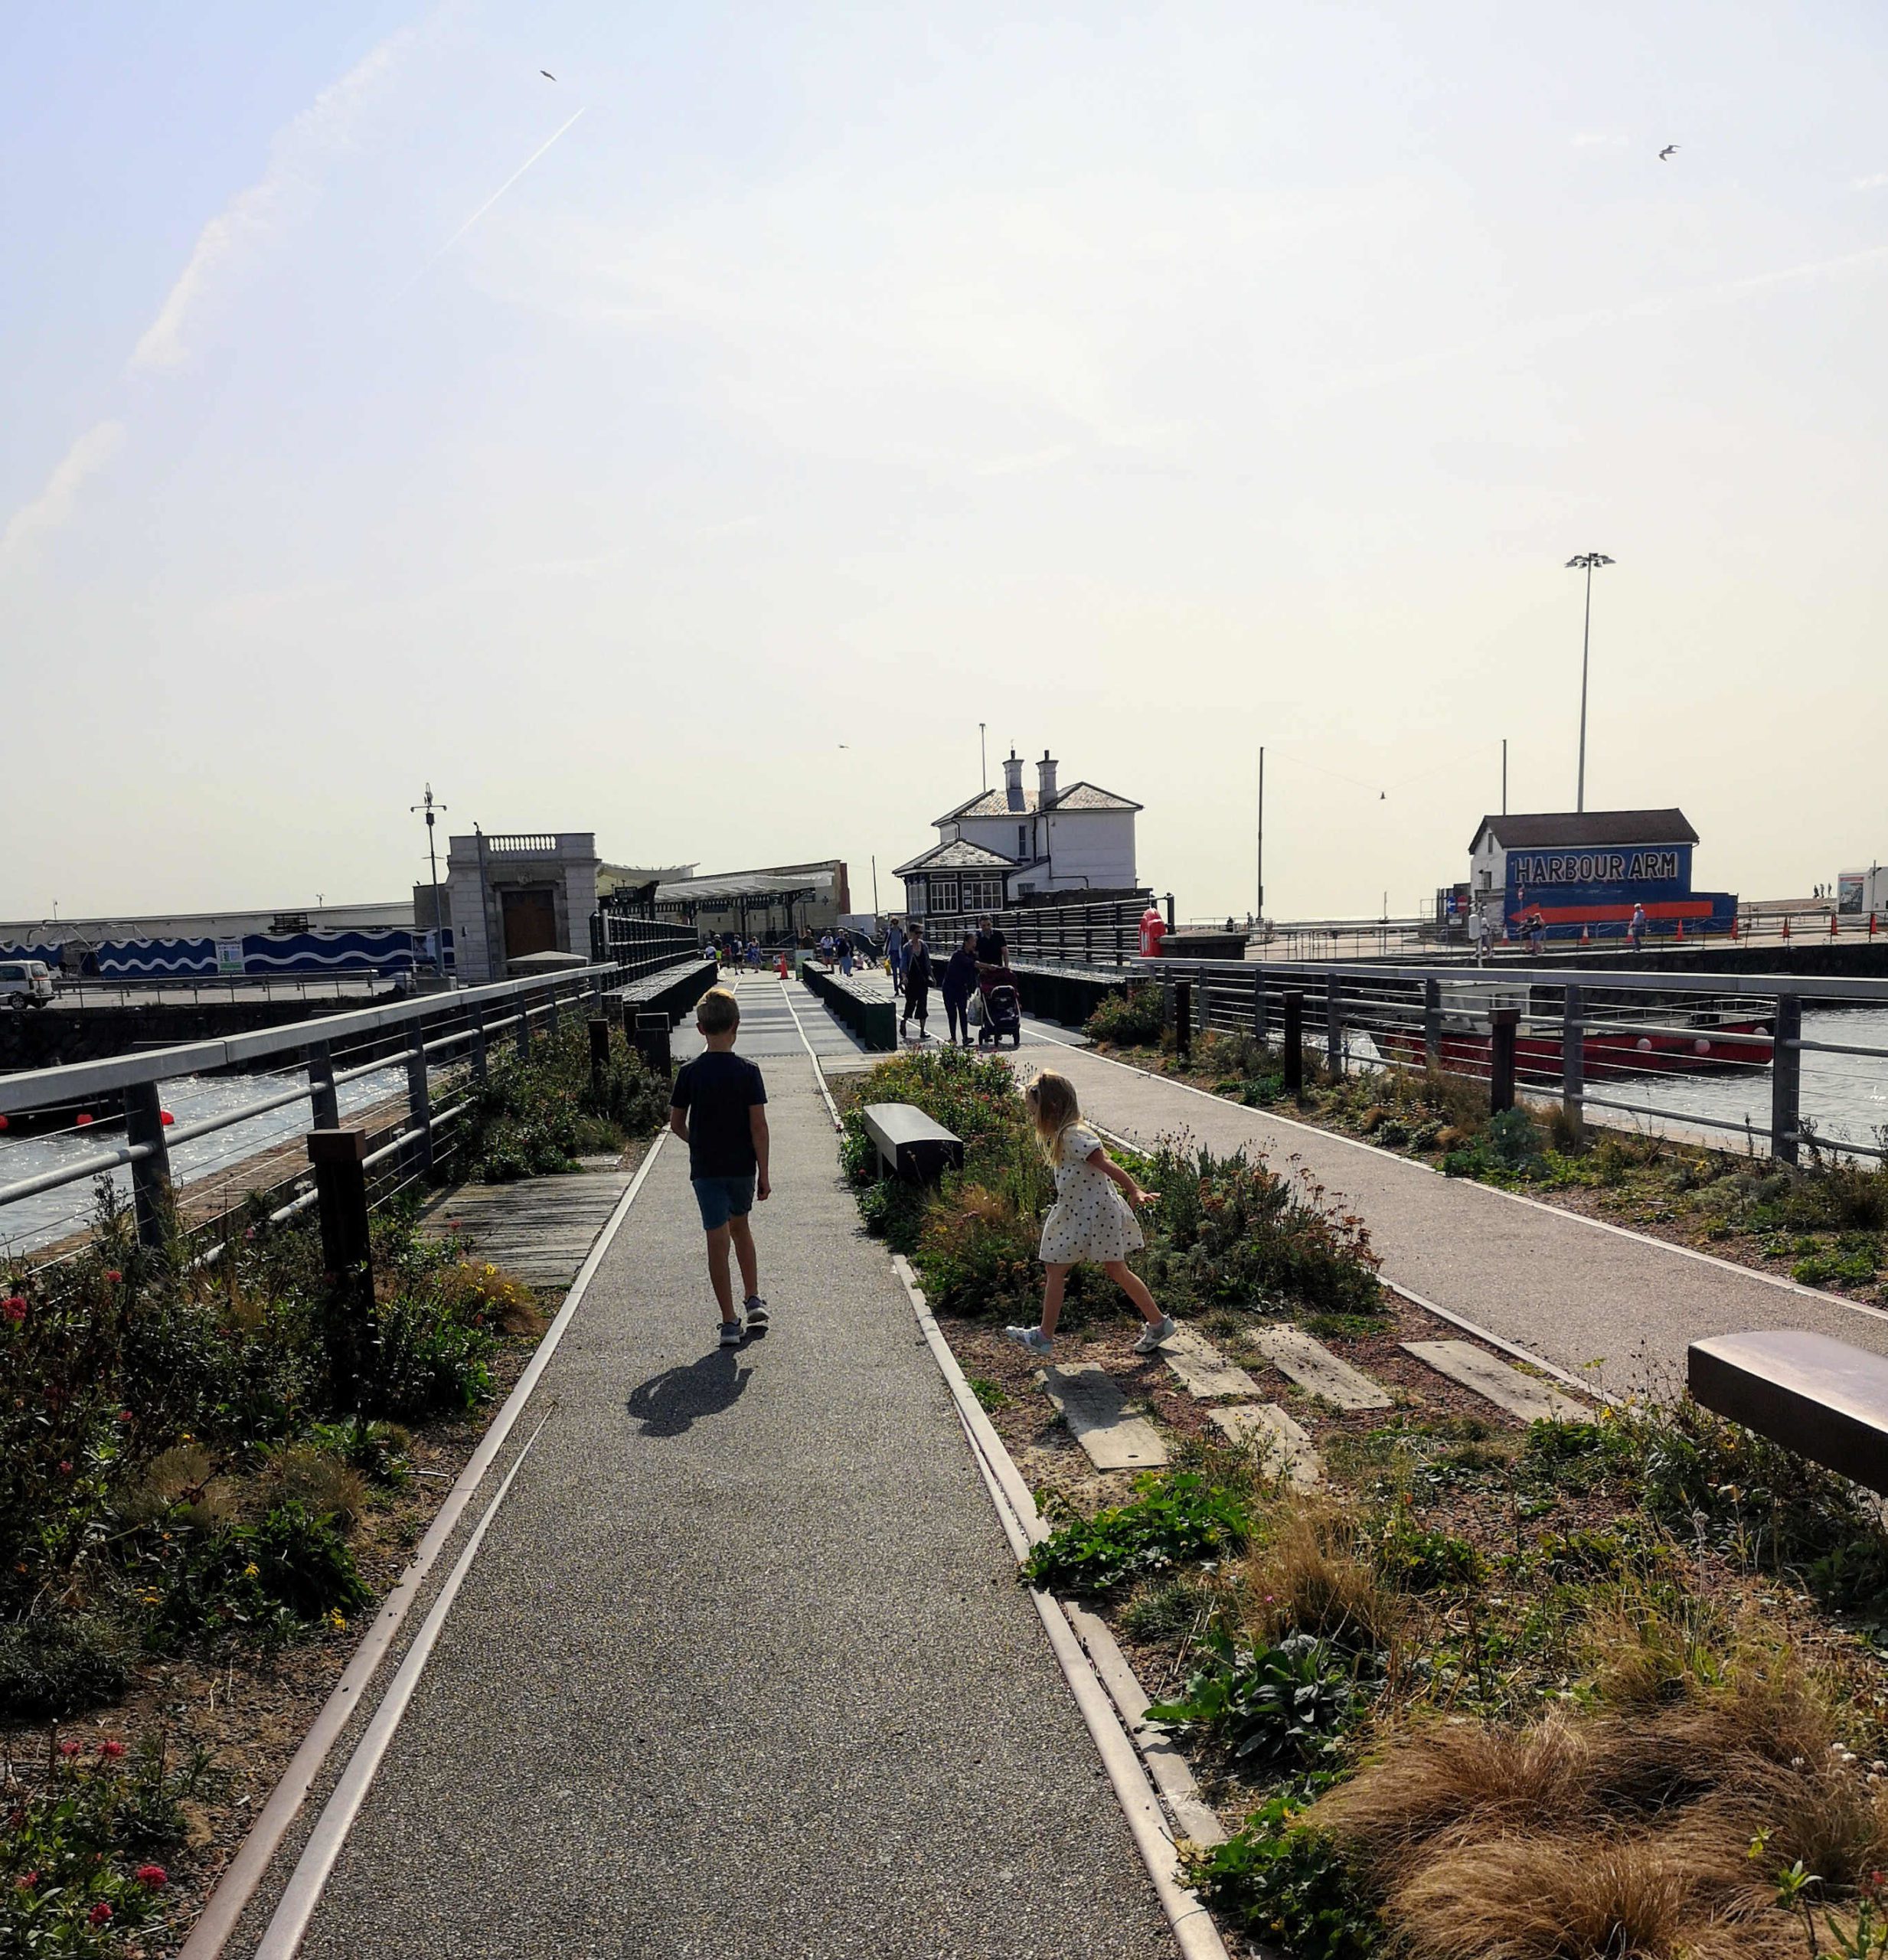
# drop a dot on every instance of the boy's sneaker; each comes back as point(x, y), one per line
point(1164, 1329)
point(756, 1310)
point(1031, 1337)
point(730, 1334)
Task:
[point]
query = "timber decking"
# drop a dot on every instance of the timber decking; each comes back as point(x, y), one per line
point(539, 1230)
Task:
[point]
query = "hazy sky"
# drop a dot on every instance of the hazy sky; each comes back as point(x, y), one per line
point(1150, 383)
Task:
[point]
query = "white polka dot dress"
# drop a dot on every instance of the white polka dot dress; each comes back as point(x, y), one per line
point(1090, 1220)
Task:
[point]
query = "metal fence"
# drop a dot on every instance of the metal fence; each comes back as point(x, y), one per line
point(400, 1070)
point(1101, 932)
point(1780, 1063)
point(633, 942)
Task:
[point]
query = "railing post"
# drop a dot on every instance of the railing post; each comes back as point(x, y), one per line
point(1786, 1078)
point(1258, 1006)
point(481, 1068)
point(1433, 1022)
point(599, 1054)
point(1183, 1019)
point(1502, 1024)
point(1573, 1053)
point(150, 1175)
point(322, 1099)
point(419, 1100)
point(1333, 1025)
point(651, 1039)
point(1294, 1039)
point(339, 1156)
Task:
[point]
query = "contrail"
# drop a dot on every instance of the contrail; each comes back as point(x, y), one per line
point(487, 205)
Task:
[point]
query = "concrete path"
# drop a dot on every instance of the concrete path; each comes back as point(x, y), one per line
point(1568, 1289)
point(743, 1668)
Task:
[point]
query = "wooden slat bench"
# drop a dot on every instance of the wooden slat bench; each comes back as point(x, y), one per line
point(909, 1145)
point(1814, 1394)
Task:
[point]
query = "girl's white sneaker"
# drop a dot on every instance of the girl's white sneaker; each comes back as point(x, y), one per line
point(1155, 1332)
point(1031, 1337)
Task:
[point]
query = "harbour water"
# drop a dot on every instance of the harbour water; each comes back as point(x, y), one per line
point(38, 1221)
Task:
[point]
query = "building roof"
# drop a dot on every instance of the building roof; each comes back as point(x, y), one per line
point(1579, 830)
point(798, 879)
point(1076, 796)
point(959, 855)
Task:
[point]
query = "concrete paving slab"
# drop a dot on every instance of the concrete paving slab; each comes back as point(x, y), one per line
point(1279, 1439)
point(1316, 1371)
point(1206, 1374)
point(1096, 1410)
point(1524, 1395)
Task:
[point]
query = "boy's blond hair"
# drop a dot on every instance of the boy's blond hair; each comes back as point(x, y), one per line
point(718, 1012)
point(1054, 1109)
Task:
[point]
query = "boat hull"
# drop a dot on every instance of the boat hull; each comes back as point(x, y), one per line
point(1604, 1056)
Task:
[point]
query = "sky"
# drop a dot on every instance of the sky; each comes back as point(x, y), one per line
point(696, 447)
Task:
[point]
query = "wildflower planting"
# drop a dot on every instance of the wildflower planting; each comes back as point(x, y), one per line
point(532, 1117)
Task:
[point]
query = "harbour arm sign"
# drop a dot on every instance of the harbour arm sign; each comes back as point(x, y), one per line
point(1593, 867)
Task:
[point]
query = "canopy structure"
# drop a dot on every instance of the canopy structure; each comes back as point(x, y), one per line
point(770, 901)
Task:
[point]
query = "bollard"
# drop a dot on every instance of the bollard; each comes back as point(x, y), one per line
point(1502, 1024)
point(339, 1158)
point(480, 1067)
point(1433, 1023)
point(1183, 1019)
point(651, 1040)
point(1294, 1039)
point(599, 1054)
point(1786, 1077)
point(322, 1099)
point(150, 1175)
point(1333, 1027)
point(419, 1098)
point(1572, 1054)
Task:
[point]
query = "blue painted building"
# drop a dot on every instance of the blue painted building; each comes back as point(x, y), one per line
point(1585, 871)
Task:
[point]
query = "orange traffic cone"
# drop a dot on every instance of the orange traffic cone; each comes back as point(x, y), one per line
point(1586, 938)
point(1832, 925)
point(1733, 925)
point(1871, 924)
point(1786, 925)
point(1681, 928)
point(782, 967)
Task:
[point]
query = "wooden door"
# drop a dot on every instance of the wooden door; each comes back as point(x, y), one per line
point(531, 921)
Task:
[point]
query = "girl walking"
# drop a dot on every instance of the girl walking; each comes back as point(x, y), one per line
point(1091, 1219)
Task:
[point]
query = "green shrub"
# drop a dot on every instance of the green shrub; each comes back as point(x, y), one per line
point(533, 1118)
point(56, 1665)
point(1288, 1883)
point(1177, 1519)
point(1133, 1018)
point(427, 1361)
point(1416, 1560)
point(1285, 1706)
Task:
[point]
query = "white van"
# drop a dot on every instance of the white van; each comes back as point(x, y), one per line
point(25, 983)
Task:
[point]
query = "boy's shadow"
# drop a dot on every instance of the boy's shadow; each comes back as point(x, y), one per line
point(667, 1404)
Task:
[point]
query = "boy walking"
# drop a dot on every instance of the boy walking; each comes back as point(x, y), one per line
point(718, 1106)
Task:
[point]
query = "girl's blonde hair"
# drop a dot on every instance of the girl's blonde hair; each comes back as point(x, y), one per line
point(1054, 1109)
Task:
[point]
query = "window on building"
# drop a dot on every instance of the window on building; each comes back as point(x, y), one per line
point(943, 894)
point(982, 894)
point(1022, 843)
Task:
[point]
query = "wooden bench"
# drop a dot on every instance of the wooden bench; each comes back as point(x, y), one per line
point(1814, 1394)
point(909, 1145)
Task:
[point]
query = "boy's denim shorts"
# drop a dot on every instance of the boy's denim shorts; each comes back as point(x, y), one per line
point(723, 1198)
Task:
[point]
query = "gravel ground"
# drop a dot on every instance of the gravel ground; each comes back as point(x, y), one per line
point(742, 1669)
point(1568, 1287)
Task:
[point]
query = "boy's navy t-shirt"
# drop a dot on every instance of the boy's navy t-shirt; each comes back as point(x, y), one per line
point(718, 1090)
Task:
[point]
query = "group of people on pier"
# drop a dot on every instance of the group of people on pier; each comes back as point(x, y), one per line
point(980, 961)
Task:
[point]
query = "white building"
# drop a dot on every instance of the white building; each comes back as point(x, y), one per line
point(1012, 843)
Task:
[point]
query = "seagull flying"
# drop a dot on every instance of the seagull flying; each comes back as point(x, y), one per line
point(1667, 153)
point(548, 75)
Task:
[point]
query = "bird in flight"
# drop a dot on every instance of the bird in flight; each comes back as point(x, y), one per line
point(1667, 153)
point(548, 75)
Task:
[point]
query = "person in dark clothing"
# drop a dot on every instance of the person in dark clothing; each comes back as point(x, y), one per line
point(917, 982)
point(960, 983)
point(992, 956)
point(718, 1107)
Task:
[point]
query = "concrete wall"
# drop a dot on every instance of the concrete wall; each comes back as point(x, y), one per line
point(564, 861)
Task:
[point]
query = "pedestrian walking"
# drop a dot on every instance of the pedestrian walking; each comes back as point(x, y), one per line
point(917, 983)
point(842, 945)
point(960, 983)
point(895, 952)
point(718, 1107)
point(1092, 1220)
point(1637, 930)
point(1537, 932)
point(1478, 933)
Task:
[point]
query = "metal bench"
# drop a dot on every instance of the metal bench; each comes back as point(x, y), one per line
point(909, 1145)
point(1815, 1395)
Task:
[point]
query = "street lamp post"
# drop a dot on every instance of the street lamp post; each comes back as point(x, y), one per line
point(433, 859)
point(1585, 561)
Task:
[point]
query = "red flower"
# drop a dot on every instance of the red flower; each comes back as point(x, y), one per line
point(65, 1467)
point(124, 1415)
point(13, 1307)
point(99, 1913)
point(152, 1875)
point(114, 1276)
point(26, 1880)
point(68, 1747)
point(111, 1747)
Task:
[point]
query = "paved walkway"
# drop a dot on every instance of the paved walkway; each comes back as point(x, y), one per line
point(742, 1669)
point(1572, 1290)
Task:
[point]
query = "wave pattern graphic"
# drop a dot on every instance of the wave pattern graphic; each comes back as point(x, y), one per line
point(386, 950)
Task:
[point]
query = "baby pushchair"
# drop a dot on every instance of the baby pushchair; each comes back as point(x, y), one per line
point(1002, 1014)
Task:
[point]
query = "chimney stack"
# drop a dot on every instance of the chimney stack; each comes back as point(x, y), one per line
point(1045, 781)
point(1013, 780)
